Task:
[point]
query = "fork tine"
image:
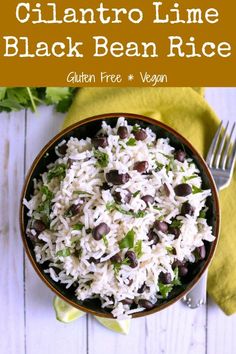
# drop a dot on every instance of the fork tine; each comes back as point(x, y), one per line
point(232, 158)
point(221, 147)
point(227, 148)
point(212, 150)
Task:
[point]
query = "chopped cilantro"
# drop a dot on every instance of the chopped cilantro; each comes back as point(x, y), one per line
point(188, 178)
point(128, 240)
point(105, 240)
point(176, 223)
point(63, 253)
point(136, 128)
point(78, 226)
point(44, 207)
point(82, 192)
point(196, 190)
point(57, 171)
point(131, 142)
point(114, 206)
point(102, 158)
point(169, 249)
point(159, 166)
point(136, 193)
point(202, 214)
point(138, 249)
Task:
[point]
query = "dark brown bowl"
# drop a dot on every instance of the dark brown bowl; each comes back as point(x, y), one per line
point(89, 127)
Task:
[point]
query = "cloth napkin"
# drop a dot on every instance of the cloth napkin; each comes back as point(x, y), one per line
point(186, 110)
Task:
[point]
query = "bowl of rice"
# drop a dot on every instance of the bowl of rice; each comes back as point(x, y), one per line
point(119, 215)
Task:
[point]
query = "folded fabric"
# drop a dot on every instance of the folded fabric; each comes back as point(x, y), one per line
point(185, 110)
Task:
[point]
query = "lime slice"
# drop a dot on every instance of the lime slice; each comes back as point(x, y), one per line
point(115, 325)
point(65, 312)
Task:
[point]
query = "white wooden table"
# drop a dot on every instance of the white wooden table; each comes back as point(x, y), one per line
point(27, 320)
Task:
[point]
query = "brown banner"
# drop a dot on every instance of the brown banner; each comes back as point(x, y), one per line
point(118, 43)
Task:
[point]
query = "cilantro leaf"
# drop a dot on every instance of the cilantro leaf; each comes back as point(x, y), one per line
point(114, 206)
point(102, 158)
point(136, 193)
point(56, 94)
point(79, 226)
point(138, 248)
point(57, 171)
point(196, 190)
point(176, 280)
point(105, 240)
point(81, 192)
point(131, 142)
point(159, 166)
point(202, 214)
point(165, 289)
point(44, 207)
point(188, 178)
point(128, 240)
point(176, 223)
point(63, 253)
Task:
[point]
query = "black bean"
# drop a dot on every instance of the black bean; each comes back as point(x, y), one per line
point(141, 166)
point(183, 189)
point(148, 199)
point(130, 281)
point(200, 252)
point(146, 304)
point(100, 141)
point(175, 231)
point(183, 271)
point(93, 260)
point(166, 190)
point(127, 301)
point(140, 134)
point(161, 226)
point(165, 278)
point(142, 288)
point(100, 230)
point(126, 196)
point(122, 132)
point(116, 178)
point(74, 209)
point(105, 186)
point(152, 236)
point(177, 263)
point(116, 258)
point(62, 149)
point(180, 155)
point(133, 263)
point(38, 226)
point(187, 208)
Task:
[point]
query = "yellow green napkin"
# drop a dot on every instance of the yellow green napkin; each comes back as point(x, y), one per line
point(186, 110)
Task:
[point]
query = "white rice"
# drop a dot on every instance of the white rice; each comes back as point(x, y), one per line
point(72, 265)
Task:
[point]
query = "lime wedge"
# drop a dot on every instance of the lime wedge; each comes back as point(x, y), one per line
point(115, 325)
point(65, 312)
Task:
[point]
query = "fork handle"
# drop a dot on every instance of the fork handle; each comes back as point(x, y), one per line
point(197, 296)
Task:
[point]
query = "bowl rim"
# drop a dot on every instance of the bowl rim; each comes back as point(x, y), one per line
point(151, 121)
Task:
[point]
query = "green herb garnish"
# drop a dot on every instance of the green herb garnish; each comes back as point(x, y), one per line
point(188, 178)
point(136, 128)
point(117, 266)
point(81, 192)
point(63, 253)
point(176, 280)
point(165, 289)
point(202, 214)
point(18, 98)
point(44, 207)
point(78, 226)
point(138, 248)
point(57, 171)
point(136, 193)
point(102, 158)
point(128, 240)
point(196, 190)
point(131, 142)
point(169, 249)
point(113, 206)
point(105, 240)
point(159, 166)
point(176, 223)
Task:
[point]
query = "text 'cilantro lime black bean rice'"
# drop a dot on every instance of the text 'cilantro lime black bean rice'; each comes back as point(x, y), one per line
point(121, 217)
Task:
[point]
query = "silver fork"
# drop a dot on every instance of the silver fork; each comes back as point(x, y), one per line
point(220, 160)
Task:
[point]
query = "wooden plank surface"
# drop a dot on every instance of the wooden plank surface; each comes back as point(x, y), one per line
point(27, 320)
point(12, 128)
